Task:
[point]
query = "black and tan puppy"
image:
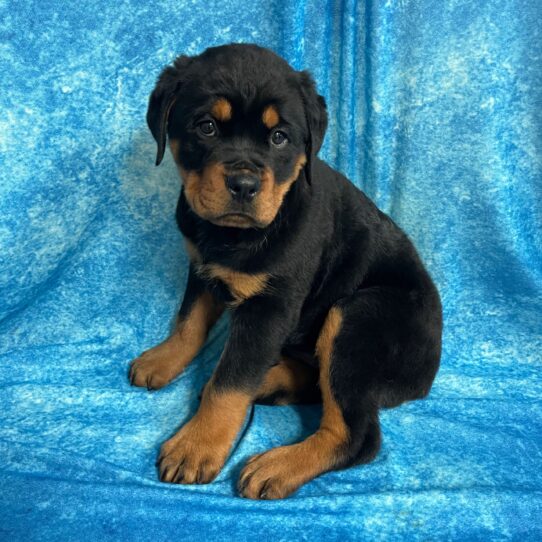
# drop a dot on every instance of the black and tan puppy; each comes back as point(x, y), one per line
point(328, 297)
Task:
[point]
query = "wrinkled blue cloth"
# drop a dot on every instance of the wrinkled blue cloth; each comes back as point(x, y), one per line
point(435, 111)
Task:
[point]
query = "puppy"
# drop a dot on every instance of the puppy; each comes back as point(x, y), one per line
point(328, 296)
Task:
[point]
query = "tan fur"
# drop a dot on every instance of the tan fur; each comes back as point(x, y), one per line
point(206, 193)
point(241, 285)
point(290, 377)
point(332, 419)
point(174, 146)
point(201, 447)
point(192, 251)
point(272, 193)
point(160, 365)
point(222, 110)
point(279, 472)
point(270, 116)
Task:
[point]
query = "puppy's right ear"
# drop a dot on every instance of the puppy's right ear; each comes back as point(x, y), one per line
point(162, 99)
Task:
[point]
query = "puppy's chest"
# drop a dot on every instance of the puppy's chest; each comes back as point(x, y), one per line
point(240, 286)
point(232, 285)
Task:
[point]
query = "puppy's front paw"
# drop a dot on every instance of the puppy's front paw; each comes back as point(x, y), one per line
point(272, 475)
point(191, 457)
point(158, 366)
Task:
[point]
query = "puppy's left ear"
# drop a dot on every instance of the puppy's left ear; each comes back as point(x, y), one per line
point(162, 100)
point(315, 117)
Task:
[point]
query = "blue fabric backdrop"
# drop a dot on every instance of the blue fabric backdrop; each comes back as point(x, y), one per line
point(435, 111)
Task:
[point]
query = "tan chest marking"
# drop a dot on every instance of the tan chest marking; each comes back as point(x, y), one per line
point(242, 286)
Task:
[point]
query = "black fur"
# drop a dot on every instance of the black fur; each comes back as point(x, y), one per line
point(328, 246)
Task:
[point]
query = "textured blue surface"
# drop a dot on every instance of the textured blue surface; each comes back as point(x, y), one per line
point(435, 111)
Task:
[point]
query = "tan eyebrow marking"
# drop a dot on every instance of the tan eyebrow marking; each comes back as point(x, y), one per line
point(222, 110)
point(270, 116)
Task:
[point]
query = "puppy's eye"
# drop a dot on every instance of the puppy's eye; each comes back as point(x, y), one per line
point(207, 128)
point(278, 138)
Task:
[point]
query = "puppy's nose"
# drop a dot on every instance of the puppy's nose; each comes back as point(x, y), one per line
point(243, 187)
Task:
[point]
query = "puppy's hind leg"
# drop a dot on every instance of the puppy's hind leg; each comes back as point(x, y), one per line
point(377, 348)
point(289, 382)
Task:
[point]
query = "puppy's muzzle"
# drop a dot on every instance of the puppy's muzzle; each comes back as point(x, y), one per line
point(243, 186)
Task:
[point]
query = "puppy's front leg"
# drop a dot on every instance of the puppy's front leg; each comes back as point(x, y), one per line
point(160, 365)
point(198, 451)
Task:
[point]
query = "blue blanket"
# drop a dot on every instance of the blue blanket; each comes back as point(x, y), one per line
point(435, 111)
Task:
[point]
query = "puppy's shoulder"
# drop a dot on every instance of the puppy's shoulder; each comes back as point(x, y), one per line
point(340, 195)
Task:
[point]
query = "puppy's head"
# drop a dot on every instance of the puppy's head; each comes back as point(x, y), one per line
point(242, 126)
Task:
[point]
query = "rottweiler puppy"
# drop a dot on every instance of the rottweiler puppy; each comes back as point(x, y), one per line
point(328, 296)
